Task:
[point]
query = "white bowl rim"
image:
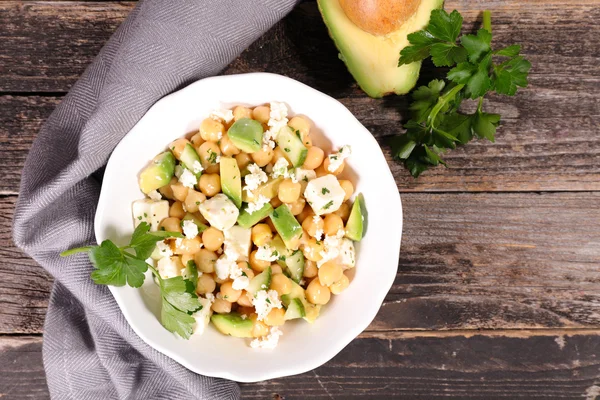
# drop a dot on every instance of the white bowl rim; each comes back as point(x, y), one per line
point(374, 304)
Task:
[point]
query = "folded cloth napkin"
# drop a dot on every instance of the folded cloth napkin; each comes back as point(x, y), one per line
point(90, 352)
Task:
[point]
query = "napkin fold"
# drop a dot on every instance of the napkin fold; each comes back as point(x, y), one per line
point(90, 352)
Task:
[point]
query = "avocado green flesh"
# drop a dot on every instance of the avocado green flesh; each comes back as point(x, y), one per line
point(355, 227)
point(247, 220)
point(232, 324)
point(287, 226)
point(231, 180)
point(158, 173)
point(291, 143)
point(294, 310)
point(246, 134)
point(260, 282)
point(373, 60)
point(189, 156)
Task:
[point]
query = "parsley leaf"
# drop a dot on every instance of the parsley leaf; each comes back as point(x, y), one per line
point(176, 321)
point(175, 291)
point(438, 122)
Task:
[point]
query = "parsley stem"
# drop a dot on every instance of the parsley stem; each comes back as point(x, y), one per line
point(480, 104)
point(70, 252)
point(442, 101)
point(487, 20)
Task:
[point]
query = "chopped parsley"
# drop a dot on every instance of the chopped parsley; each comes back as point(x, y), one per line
point(212, 156)
point(326, 206)
point(287, 149)
point(305, 179)
point(324, 190)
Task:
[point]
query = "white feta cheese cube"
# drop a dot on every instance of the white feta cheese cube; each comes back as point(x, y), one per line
point(169, 267)
point(240, 240)
point(188, 179)
point(202, 316)
point(150, 211)
point(190, 229)
point(347, 254)
point(220, 212)
point(324, 194)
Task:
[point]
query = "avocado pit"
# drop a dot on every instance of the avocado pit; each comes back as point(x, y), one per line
point(379, 17)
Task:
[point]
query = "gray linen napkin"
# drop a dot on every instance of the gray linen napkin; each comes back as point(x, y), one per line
point(90, 352)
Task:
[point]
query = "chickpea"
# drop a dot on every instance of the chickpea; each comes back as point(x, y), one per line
point(306, 212)
point(212, 239)
point(177, 147)
point(258, 265)
point(278, 153)
point(229, 293)
point(317, 293)
point(241, 112)
point(330, 272)
point(307, 140)
point(244, 300)
point(298, 206)
point(197, 140)
point(211, 130)
point(312, 250)
point(208, 153)
point(275, 317)
point(176, 210)
point(281, 284)
point(310, 269)
point(186, 246)
point(312, 225)
point(210, 184)
point(326, 164)
point(243, 159)
point(227, 147)
point(276, 269)
point(314, 158)
point(348, 188)
point(170, 224)
point(193, 200)
point(206, 284)
point(219, 280)
point(262, 114)
point(179, 191)
point(205, 261)
point(263, 156)
point(269, 168)
point(167, 190)
point(289, 191)
point(321, 171)
point(275, 202)
point(332, 224)
point(185, 258)
point(261, 234)
point(343, 212)
point(259, 328)
point(221, 306)
point(340, 285)
point(245, 310)
point(245, 267)
point(300, 124)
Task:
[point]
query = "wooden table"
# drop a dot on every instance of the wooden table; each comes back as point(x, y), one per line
point(498, 287)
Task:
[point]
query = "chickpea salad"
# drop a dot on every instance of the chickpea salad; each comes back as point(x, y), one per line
point(248, 225)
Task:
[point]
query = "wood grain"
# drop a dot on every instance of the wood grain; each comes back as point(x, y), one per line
point(558, 366)
point(468, 261)
point(547, 140)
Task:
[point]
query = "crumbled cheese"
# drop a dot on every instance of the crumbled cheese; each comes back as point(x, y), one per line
point(240, 283)
point(316, 219)
point(332, 246)
point(264, 301)
point(154, 195)
point(280, 168)
point(187, 178)
point(347, 254)
point(266, 253)
point(267, 342)
point(190, 229)
point(178, 242)
point(243, 316)
point(224, 115)
point(210, 297)
point(277, 120)
point(197, 167)
point(254, 178)
point(336, 160)
point(319, 234)
point(223, 267)
point(164, 249)
point(257, 204)
point(279, 112)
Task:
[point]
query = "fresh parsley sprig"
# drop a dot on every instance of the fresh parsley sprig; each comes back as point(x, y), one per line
point(118, 266)
point(437, 124)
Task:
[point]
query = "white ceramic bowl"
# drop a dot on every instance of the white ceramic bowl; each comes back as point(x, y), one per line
point(303, 346)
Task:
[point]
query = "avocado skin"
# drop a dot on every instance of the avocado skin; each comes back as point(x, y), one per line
point(373, 60)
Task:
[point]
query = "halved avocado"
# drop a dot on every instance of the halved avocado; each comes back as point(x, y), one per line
point(370, 34)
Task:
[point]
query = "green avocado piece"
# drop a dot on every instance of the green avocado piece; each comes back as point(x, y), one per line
point(247, 220)
point(287, 226)
point(373, 59)
point(231, 180)
point(268, 189)
point(290, 142)
point(189, 158)
point(357, 221)
point(246, 134)
point(291, 260)
point(158, 173)
point(294, 310)
point(311, 311)
point(232, 324)
point(260, 282)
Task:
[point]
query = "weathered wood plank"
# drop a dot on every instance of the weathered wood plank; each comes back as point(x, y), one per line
point(552, 365)
point(468, 261)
